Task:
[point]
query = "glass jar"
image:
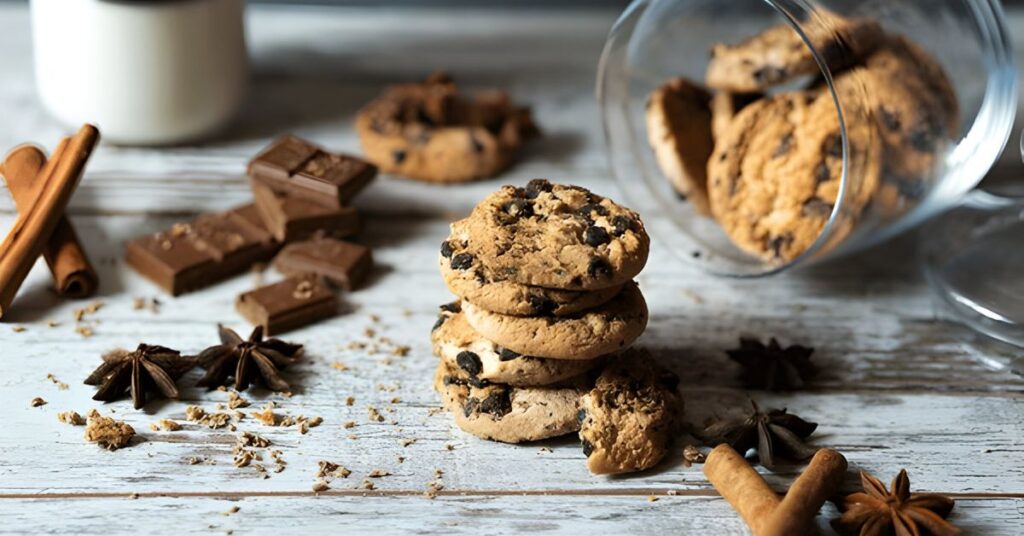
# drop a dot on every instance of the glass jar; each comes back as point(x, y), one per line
point(658, 40)
point(147, 73)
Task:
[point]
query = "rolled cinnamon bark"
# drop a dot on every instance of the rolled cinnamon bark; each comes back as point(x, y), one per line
point(27, 239)
point(819, 481)
point(73, 275)
point(741, 486)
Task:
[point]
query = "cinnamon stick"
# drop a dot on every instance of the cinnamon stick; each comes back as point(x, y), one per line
point(760, 507)
point(73, 275)
point(32, 229)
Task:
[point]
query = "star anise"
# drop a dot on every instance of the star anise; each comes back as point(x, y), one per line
point(877, 511)
point(247, 360)
point(771, 366)
point(774, 433)
point(148, 368)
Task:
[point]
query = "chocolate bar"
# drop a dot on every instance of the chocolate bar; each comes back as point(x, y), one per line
point(289, 304)
point(294, 166)
point(209, 249)
point(342, 263)
point(292, 218)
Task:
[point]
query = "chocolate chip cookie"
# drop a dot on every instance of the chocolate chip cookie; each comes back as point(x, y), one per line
point(508, 414)
point(679, 130)
point(627, 420)
point(487, 290)
point(553, 236)
point(593, 333)
point(431, 132)
point(481, 360)
point(779, 55)
point(775, 176)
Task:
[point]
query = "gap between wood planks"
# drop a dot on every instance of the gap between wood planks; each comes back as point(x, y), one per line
point(634, 492)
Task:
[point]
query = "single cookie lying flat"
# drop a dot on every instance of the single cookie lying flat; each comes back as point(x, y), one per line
point(428, 131)
point(508, 414)
point(554, 236)
point(775, 176)
point(679, 130)
point(628, 418)
point(778, 54)
point(485, 289)
point(599, 331)
point(481, 360)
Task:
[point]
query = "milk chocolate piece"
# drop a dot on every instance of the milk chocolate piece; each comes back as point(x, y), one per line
point(342, 263)
point(209, 249)
point(291, 218)
point(295, 302)
point(294, 166)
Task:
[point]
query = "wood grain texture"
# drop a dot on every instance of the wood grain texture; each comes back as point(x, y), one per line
point(900, 385)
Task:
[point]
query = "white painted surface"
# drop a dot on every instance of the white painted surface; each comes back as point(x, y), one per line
point(901, 387)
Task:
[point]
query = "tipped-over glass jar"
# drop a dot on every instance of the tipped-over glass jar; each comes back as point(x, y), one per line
point(776, 133)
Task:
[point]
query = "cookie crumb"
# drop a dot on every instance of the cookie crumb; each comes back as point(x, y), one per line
point(367, 485)
point(652, 498)
point(236, 401)
point(37, 402)
point(71, 417)
point(232, 510)
point(408, 441)
point(349, 424)
point(107, 432)
point(60, 385)
point(166, 425)
point(350, 400)
point(18, 329)
point(320, 486)
point(265, 416)
point(692, 455)
point(378, 473)
point(374, 414)
point(338, 365)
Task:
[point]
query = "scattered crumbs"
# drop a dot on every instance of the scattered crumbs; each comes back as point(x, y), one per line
point(37, 402)
point(652, 498)
point(320, 486)
point(401, 459)
point(71, 417)
point(152, 304)
point(236, 401)
point(449, 446)
point(199, 416)
point(84, 331)
point(249, 439)
point(692, 455)
point(194, 460)
point(243, 458)
point(408, 441)
point(166, 425)
point(60, 385)
point(107, 432)
point(374, 414)
point(434, 486)
point(194, 413)
point(232, 510)
point(401, 350)
point(370, 332)
point(406, 312)
point(378, 473)
point(434, 411)
point(338, 365)
point(367, 484)
point(326, 469)
point(349, 400)
point(350, 424)
point(52, 323)
point(374, 318)
point(544, 450)
point(133, 496)
point(266, 415)
point(17, 329)
point(396, 400)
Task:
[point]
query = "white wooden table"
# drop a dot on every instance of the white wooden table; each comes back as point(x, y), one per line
point(901, 388)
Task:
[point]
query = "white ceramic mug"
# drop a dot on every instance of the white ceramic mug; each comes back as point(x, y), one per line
point(150, 72)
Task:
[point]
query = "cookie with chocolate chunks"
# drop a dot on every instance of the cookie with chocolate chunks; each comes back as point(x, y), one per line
point(554, 236)
point(775, 176)
point(628, 419)
point(586, 335)
point(429, 131)
point(459, 346)
point(509, 414)
point(488, 290)
point(778, 54)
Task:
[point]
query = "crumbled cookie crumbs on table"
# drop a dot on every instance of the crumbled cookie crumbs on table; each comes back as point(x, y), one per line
point(60, 385)
point(408, 441)
point(71, 417)
point(107, 432)
point(37, 402)
point(18, 329)
point(232, 510)
point(349, 400)
point(236, 401)
point(166, 425)
point(374, 414)
point(367, 485)
point(320, 486)
point(378, 473)
point(338, 365)
point(265, 416)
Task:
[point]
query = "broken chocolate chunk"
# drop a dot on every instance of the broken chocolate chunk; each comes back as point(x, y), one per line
point(588, 448)
point(498, 404)
point(598, 267)
point(535, 187)
point(518, 208)
point(398, 156)
point(462, 261)
point(541, 305)
point(821, 172)
point(469, 362)
point(621, 225)
point(595, 236)
point(505, 354)
point(446, 249)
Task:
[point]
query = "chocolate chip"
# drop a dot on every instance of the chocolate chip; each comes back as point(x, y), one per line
point(541, 305)
point(924, 138)
point(446, 249)
point(890, 119)
point(518, 208)
point(595, 236)
point(398, 156)
point(588, 448)
point(817, 207)
point(777, 243)
point(475, 143)
point(785, 144)
point(470, 406)
point(453, 307)
point(695, 254)
point(439, 322)
point(769, 74)
point(504, 354)
point(581, 416)
point(462, 261)
point(598, 267)
point(536, 186)
point(589, 208)
point(821, 173)
point(576, 281)
point(621, 224)
point(498, 404)
point(833, 146)
point(470, 362)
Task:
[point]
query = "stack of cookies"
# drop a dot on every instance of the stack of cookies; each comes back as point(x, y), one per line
point(544, 276)
point(768, 164)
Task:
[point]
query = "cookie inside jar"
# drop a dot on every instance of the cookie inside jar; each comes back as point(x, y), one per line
point(801, 135)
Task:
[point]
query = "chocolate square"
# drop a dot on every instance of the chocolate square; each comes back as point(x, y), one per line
point(296, 167)
point(342, 263)
point(291, 218)
point(290, 304)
